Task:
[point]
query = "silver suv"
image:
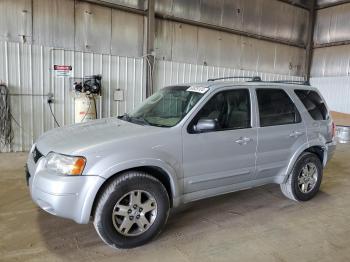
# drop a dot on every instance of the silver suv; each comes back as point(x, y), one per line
point(184, 143)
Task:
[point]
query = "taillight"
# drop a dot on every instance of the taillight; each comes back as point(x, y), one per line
point(333, 129)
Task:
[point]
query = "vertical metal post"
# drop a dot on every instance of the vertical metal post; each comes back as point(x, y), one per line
point(150, 47)
point(310, 42)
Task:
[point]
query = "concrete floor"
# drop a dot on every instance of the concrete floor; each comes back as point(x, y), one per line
point(252, 225)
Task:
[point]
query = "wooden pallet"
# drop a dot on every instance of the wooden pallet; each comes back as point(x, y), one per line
point(341, 119)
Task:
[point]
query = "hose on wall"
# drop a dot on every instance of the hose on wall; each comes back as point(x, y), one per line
point(6, 132)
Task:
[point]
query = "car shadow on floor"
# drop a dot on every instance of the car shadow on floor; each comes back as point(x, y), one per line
point(64, 237)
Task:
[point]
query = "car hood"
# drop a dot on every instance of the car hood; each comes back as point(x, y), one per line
point(77, 138)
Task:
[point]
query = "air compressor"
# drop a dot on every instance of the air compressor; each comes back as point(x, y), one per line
point(85, 94)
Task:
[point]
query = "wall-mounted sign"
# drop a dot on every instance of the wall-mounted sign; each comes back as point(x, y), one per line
point(63, 70)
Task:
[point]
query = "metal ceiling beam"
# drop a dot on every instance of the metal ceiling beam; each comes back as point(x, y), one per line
point(118, 7)
point(229, 30)
point(333, 4)
point(294, 3)
point(309, 43)
point(339, 43)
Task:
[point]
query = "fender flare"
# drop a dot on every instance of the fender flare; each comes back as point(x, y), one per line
point(317, 142)
point(137, 163)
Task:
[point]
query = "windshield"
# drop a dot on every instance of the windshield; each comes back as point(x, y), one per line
point(168, 106)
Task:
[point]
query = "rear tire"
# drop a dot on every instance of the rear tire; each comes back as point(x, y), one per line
point(132, 210)
point(305, 179)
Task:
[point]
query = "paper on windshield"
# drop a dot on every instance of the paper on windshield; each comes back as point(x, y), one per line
point(197, 89)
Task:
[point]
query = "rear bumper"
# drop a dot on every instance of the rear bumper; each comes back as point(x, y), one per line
point(329, 151)
point(64, 196)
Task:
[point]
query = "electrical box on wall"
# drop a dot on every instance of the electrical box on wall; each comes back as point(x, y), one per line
point(118, 95)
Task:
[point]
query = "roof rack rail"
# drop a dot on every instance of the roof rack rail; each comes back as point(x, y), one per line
point(258, 79)
point(290, 82)
point(252, 78)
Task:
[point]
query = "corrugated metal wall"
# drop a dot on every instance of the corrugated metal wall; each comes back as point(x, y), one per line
point(16, 20)
point(27, 70)
point(74, 25)
point(331, 61)
point(332, 24)
point(336, 91)
point(331, 57)
point(169, 72)
point(196, 45)
point(332, 27)
point(82, 26)
point(270, 18)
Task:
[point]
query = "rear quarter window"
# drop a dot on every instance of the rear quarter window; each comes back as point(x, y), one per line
point(313, 103)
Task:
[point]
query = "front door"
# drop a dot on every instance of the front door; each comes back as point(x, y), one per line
point(224, 156)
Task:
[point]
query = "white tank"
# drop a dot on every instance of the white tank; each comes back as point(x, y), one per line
point(85, 107)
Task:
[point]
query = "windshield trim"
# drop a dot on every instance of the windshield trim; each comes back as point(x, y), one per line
point(198, 94)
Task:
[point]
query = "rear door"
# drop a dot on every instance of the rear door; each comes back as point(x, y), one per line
point(280, 134)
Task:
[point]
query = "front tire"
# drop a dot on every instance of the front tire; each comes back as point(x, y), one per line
point(305, 179)
point(132, 210)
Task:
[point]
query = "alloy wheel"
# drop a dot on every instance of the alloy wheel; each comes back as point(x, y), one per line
point(134, 213)
point(307, 178)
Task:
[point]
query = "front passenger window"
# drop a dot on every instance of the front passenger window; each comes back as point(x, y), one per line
point(230, 109)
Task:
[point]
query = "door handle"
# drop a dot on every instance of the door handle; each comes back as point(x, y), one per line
point(296, 134)
point(243, 140)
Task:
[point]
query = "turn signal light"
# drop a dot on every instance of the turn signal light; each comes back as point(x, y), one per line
point(78, 166)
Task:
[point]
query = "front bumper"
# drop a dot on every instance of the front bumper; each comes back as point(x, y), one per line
point(65, 196)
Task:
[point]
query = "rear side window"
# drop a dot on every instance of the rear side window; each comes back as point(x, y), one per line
point(313, 104)
point(276, 107)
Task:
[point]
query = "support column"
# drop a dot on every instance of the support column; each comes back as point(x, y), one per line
point(150, 56)
point(310, 42)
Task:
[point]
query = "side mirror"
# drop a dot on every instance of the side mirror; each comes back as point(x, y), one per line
point(205, 125)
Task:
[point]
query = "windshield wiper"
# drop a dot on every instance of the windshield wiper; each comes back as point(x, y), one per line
point(125, 117)
point(134, 119)
point(140, 119)
point(158, 125)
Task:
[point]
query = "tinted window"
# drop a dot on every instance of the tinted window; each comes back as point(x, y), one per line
point(313, 104)
point(276, 108)
point(230, 109)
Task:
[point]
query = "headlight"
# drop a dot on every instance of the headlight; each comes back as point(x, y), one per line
point(65, 165)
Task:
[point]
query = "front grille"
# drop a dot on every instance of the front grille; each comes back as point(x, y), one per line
point(36, 155)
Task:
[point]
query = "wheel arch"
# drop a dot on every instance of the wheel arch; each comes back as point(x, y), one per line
point(317, 149)
point(155, 171)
